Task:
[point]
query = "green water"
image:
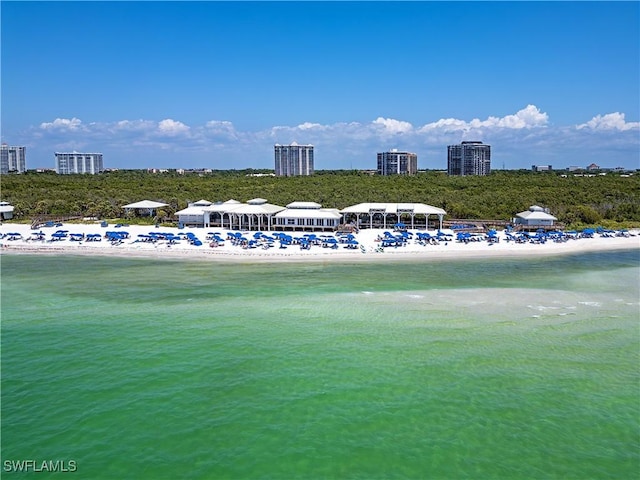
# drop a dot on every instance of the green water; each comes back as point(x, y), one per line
point(141, 369)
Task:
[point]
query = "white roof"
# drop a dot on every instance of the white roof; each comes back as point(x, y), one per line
point(535, 215)
point(306, 205)
point(201, 203)
point(6, 207)
point(257, 209)
point(195, 210)
point(417, 208)
point(146, 204)
point(222, 207)
point(309, 213)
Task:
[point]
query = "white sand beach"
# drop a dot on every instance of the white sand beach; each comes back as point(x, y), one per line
point(20, 238)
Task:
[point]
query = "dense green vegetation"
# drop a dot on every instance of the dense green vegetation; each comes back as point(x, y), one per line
point(610, 200)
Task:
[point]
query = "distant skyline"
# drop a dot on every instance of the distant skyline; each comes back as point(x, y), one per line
point(217, 84)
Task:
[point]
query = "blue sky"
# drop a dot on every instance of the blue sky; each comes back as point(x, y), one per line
point(216, 84)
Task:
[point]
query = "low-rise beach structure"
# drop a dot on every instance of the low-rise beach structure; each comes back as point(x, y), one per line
point(258, 214)
point(193, 215)
point(307, 216)
point(535, 217)
point(144, 207)
point(383, 215)
point(6, 211)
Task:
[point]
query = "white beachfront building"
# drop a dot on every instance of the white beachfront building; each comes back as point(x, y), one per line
point(258, 214)
point(384, 215)
point(535, 217)
point(308, 216)
point(6, 211)
point(193, 215)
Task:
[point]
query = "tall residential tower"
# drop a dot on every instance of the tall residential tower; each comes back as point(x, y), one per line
point(293, 160)
point(469, 158)
point(12, 159)
point(397, 163)
point(67, 163)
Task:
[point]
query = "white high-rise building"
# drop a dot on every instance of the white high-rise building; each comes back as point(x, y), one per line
point(75, 162)
point(293, 159)
point(12, 159)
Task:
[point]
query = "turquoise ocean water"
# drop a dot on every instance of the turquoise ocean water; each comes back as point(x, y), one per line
point(483, 369)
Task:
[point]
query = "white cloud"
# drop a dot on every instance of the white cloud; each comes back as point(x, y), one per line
point(528, 117)
point(221, 127)
point(524, 136)
point(171, 127)
point(610, 121)
point(63, 124)
point(310, 126)
point(133, 126)
point(392, 126)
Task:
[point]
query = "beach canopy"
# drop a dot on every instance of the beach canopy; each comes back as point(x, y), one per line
point(147, 205)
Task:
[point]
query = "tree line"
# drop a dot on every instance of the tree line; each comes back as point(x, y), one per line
point(612, 200)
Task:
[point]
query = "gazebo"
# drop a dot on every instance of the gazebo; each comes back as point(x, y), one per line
point(535, 217)
point(6, 211)
point(145, 207)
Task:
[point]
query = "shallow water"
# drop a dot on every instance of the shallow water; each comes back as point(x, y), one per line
point(135, 368)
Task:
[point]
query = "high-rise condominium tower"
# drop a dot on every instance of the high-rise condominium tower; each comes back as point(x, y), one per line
point(67, 163)
point(397, 163)
point(12, 159)
point(293, 159)
point(469, 158)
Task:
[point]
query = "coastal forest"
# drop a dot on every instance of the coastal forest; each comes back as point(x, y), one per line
point(611, 199)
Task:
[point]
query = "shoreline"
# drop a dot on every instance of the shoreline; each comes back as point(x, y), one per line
point(368, 247)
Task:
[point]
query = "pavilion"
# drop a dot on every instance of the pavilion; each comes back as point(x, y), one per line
point(256, 214)
point(307, 216)
point(147, 207)
point(383, 215)
point(193, 214)
point(6, 211)
point(535, 217)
